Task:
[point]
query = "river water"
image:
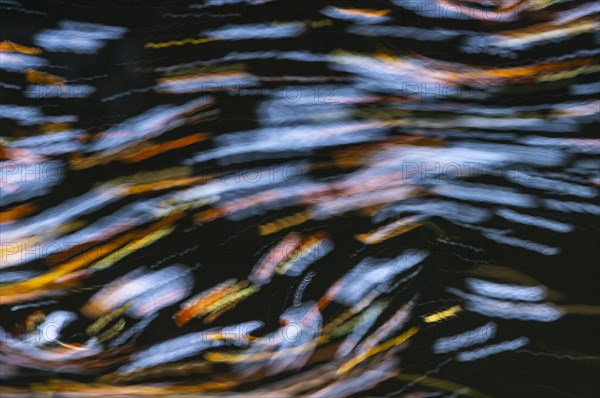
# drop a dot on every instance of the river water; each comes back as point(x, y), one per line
point(300, 198)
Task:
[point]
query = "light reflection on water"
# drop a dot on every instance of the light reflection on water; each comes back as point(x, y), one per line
point(272, 199)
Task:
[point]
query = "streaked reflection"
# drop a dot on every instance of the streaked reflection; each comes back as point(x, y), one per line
point(277, 198)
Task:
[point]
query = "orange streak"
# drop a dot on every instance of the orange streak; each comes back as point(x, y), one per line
point(10, 47)
point(34, 76)
point(164, 147)
point(16, 212)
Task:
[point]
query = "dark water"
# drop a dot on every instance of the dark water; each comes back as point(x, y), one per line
point(300, 198)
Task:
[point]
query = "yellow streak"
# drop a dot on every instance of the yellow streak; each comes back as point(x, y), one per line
point(132, 247)
point(258, 357)
point(101, 323)
point(569, 74)
point(114, 331)
point(438, 316)
point(377, 349)
point(233, 298)
point(285, 222)
point(189, 40)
